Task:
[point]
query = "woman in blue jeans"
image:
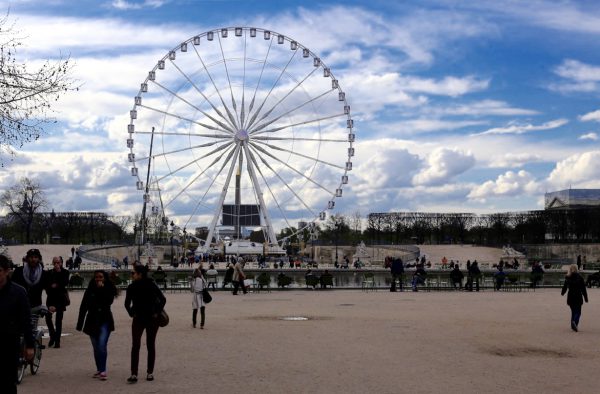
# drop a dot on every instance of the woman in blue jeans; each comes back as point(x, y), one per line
point(96, 319)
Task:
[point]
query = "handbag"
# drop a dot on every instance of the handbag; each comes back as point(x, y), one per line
point(206, 297)
point(162, 318)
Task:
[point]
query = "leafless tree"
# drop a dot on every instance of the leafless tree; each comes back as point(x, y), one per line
point(23, 201)
point(27, 94)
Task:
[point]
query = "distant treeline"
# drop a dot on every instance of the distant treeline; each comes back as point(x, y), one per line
point(532, 227)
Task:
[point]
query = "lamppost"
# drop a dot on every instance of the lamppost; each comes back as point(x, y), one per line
point(172, 232)
point(185, 244)
point(337, 226)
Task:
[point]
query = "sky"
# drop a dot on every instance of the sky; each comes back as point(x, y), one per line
point(457, 106)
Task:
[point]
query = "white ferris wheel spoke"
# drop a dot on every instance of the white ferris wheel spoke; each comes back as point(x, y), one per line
point(315, 159)
point(202, 94)
point(181, 150)
point(262, 126)
point(160, 111)
point(284, 182)
point(223, 125)
point(192, 181)
point(266, 114)
point(259, 79)
point(243, 85)
point(271, 90)
point(261, 149)
point(220, 148)
point(296, 124)
point(231, 118)
point(222, 136)
point(270, 138)
point(214, 178)
point(219, 206)
point(233, 103)
point(258, 194)
point(253, 159)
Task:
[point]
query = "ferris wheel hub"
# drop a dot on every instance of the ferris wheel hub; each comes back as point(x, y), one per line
point(242, 135)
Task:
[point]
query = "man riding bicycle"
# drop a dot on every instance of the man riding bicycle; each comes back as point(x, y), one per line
point(15, 321)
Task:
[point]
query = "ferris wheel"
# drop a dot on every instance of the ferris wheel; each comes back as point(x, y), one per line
point(242, 127)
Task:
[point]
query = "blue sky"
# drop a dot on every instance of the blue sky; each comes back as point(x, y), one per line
point(457, 106)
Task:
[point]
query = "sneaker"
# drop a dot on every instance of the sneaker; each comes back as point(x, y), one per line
point(96, 375)
point(103, 376)
point(132, 379)
point(150, 377)
point(573, 326)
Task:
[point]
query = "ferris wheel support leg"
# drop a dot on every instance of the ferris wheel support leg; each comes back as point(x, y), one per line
point(213, 223)
point(263, 207)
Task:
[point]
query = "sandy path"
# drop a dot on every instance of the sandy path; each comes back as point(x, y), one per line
point(354, 342)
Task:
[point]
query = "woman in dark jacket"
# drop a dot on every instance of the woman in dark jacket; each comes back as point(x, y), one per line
point(577, 293)
point(57, 301)
point(96, 319)
point(143, 301)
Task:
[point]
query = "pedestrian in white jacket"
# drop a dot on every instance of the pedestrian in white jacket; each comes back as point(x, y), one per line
point(198, 284)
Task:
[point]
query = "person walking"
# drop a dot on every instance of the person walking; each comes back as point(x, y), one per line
point(96, 319)
point(57, 299)
point(31, 276)
point(239, 276)
point(397, 270)
point(197, 286)
point(575, 285)
point(228, 278)
point(143, 301)
point(16, 321)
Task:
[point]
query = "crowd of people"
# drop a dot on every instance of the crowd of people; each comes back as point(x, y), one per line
point(23, 288)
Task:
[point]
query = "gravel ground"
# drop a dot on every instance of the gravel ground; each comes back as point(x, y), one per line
point(352, 342)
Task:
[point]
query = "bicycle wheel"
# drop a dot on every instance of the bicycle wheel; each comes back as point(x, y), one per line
point(21, 369)
point(37, 356)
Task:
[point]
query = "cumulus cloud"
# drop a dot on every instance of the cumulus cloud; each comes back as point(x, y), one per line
point(524, 128)
point(442, 165)
point(579, 170)
point(508, 184)
point(589, 136)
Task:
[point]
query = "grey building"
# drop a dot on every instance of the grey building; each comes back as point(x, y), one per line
point(572, 199)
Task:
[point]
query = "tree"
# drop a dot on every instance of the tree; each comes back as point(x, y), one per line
point(26, 95)
point(23, 200)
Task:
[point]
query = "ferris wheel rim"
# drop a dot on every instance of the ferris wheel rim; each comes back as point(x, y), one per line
point(317, 62)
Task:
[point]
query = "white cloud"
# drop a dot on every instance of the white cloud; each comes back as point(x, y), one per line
point(487, 107)
point(509, 184)
point(442, 165)
point(580, 77)
point(524, 128)
point(578, 71)
point(589, 136)
point(416, 126)
point(514, 160)
point(578, 170)
point(132, 5)
point(447, 86)
point(591, 116)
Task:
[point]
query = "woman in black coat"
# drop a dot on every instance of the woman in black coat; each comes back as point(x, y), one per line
point(577, 293)
point(143, 301)
point(96, 319)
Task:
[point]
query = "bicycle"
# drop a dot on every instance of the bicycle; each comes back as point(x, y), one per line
point(38, 345)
